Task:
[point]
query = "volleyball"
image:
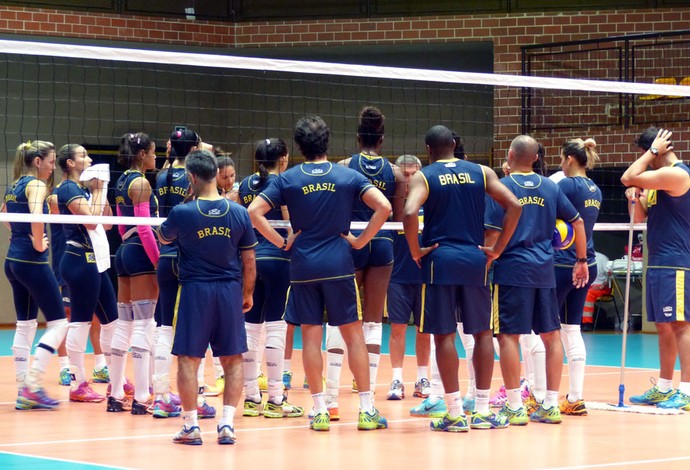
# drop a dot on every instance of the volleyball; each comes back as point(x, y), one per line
point(563, 235)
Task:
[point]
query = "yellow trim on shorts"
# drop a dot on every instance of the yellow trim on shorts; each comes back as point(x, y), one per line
point(177, 306)
point(287, 297)
point(421, 315)
point(359, 302)
point(495, 324)
point(680, 295)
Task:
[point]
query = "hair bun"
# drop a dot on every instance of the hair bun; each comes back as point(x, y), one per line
point(590, 143)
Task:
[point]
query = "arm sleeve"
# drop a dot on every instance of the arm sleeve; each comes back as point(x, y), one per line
point(148, 240)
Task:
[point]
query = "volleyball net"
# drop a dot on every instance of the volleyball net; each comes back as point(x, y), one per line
point(92, 95)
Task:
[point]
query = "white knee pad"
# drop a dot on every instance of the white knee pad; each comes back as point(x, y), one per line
point(575, 345)
point(55, 333)
point(143, 309)
point(531, 344)
point(24, 336)
point(122, 336)
point(372, 333)
point(124, 311)
point(334, 340)
point(141, 334)
point(78, 336)
point(253, 335)
point(275, 335)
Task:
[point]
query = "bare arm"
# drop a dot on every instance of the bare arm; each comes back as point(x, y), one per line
point(377, 202)
point(415, 199)
point(248, 278)
point(257, 213)
point(398, 201)
point(507, 200)
point(580, 270)
point(638, 197)
point(36, 192)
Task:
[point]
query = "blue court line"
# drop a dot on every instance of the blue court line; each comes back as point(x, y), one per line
point(10, 460)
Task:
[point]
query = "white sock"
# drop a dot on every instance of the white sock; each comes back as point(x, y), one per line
point(24, 335)
point(514, 398)
point(482, 401)
point(201, 372)
point(454, 404)
point(577, 355)
point(533, 347)
point(287, 365)
point(190, 419)
point(64, 362)
point(141, 359)
point(436, 392)
point(397, 374)
point(274, 373)
point(228, 416)
point(77, 338)
point(664, 385)
point(251, 385)
point(162, 359)
point(374, 359)
point(684, 387)
point(319, 403)
point(98, 361)
point(422, 373)
point(365, 402)
point(334, 366)
point(218, 367)
point(551, 398)
point(117, 373)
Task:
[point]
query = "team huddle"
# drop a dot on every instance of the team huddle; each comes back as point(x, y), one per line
point(238, 270)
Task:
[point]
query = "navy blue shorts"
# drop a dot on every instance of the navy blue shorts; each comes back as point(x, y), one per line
point(668, 294)
point(209, 312)
point(571, 300)
point(34, 286)
point(339, 299)
point(403, 300)
point(131, 259)
point(92, 292)
point(519, 310)
point(168, 282)
point(378, 252)
point(443, 305)
point(270, 292)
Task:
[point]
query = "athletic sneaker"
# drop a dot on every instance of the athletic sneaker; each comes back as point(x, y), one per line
point(320, 422)
point(65, 377)
point(128, 388)
point(652, 396)
point(468, 404)
point(354, 386)
point(220, 383)
point(116, 406)
point(531, 404)
point(38, 400)
point(371, 421)
point(499, 398)
point(331, 406)
point(287, 380)
point(205, 411)
point(397, 391)
point(84, 393)
point(550, 415)
point(422, 388)
point(430, 408)
point(517, 417)
point(139, 408)
point(211, 391)
point(679, 400)
point(165, 409)
point(284, 410)
point(488, 421)
point(175, 399)
point(251, 408)
point(190, 437)
point(101, 376)
point(450, 424)
point(574, 409)
point(226, 435)
point(263, 382)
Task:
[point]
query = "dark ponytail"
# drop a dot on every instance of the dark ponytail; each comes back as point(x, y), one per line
point(267, 154)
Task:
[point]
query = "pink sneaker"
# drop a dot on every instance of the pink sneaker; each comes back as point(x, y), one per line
point(128, 387)
point(85, 394)
point(175, 399)
point(525, 391)
point(499, 399)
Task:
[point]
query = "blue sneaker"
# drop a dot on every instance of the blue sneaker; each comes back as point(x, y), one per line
point(101, 376)
point(38, 400)
point(450, 424)
point(430, 408)
point(550, 415)
point(488, 421)
point(653, 396)
point(370, 421)
point(679, 400)
point(205, 411)
point(468, 404)
point(226, 435)
point(65, 377)
point(190, 437)
point(287, 380)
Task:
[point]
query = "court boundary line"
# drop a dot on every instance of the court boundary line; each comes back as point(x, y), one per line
point(58, 459)
point(622, 463)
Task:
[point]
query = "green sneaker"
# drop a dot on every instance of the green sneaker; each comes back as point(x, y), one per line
point(370, 421)
point(652, 396)
point(284, 410)
point(450, 423)
point(321, 422)
point(65, 377)
point(679, 400)
point(101, 376)
point(515, 417)
point(488, 421)
point(251, 408)
point(550, 415)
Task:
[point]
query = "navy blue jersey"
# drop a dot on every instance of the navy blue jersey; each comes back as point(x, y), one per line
point(250, 188)
point(320, 197)
point(209, 234)
point(70, 191)
point(454, 218)
point(527, 261)
point(586, 198)
point(171, 190)
point(379, 172)
point(57, 243)
point(17, 202)
point(668, 228)
point(405, 269)
point(124, 202)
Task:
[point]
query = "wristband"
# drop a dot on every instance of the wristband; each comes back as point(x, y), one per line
point(581, 260)
point(285, 243)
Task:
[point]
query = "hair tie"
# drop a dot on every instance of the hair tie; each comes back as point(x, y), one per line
point(268, 141)
point(28, 143)
point(179, 134)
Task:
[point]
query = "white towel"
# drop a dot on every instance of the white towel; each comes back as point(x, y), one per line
point(99, 239)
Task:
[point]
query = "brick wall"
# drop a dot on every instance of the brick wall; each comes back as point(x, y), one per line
point(508, 33)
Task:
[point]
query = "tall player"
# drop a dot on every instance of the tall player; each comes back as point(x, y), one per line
point(217, 274)
point(454, 267)
point(320, 197)
point(662, 195)
point(528, 302)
